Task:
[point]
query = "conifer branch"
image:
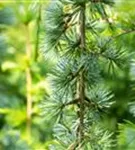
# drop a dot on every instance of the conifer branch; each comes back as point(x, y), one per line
point(81, 77)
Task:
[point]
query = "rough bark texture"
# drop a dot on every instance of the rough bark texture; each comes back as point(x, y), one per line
point(81, 77)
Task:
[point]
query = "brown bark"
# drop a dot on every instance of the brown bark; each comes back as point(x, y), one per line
point(81, 78)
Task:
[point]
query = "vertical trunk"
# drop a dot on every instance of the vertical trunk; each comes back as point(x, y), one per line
point(28, 83)
point(81, 78)
point(37, 33)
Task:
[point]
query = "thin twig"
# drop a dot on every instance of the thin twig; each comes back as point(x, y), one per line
point(73, 102)
point(121, 34)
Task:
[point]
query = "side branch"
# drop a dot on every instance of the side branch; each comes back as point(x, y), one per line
point(121, 34)
point(73, 102)
point(124, 33)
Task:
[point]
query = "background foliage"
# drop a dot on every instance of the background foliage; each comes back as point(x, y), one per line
point(21, 22)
